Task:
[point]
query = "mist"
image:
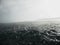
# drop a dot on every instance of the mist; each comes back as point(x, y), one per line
point(28, 10)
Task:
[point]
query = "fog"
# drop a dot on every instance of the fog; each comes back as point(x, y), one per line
point(28, 10)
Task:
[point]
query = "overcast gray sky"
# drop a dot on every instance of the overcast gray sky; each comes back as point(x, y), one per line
point(28, 10)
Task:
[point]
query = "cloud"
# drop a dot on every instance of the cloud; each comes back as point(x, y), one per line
point(27, 10)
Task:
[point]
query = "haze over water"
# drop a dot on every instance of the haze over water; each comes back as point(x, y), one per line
point(28, 10)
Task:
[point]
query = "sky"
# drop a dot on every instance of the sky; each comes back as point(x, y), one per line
point(28, 10)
